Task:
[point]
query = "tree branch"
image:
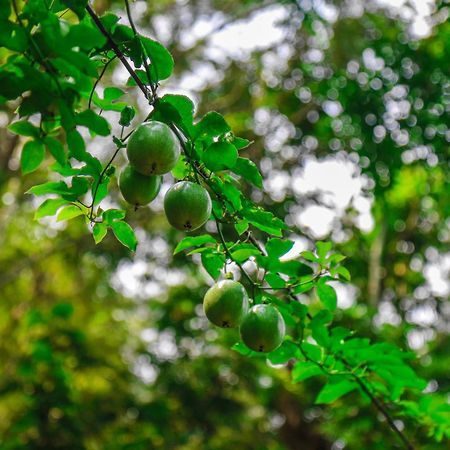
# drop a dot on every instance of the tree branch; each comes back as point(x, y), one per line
point(117, 51)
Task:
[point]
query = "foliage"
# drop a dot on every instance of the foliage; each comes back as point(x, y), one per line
point(52, 70)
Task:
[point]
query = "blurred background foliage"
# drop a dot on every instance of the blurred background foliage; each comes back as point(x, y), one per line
point(347, 104)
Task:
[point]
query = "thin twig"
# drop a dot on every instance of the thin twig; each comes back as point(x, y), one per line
point(99, 78)
point(99, 181)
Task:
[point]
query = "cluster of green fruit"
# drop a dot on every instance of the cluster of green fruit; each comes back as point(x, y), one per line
point(153, 150)
point(262, 327)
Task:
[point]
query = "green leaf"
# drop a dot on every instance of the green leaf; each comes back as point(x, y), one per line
point(161, 60)
point(309, 256)
point(80, 185)
point(102, 190)
point(99, 232)
point(77, 150)
point(12, 36)
point(342, 271)
point(67, 116)
point(69, 212)
point(112, 93)
point(110, 215)
point(247, 169)
point(322, 249)
point(212, 124)
point(241, 226)
point(77, 6)
point(264, 220)
point(220, 156)
point(336, 258)
point(77, 147)
point(326, 294)
point(86, 36)
point(275, 281)
point(278, 247)
point(334, 390)
point(305, 286)
point(232, 194)
point(242, 252)
point(284, 353)
point(313, 351)
point(319, 327)
point(24, 128)
point(240, 143)
point(124, 234)
point(93, 122)
point(177, 109)
point(56, 149)
point(49, 207)
point(213, 263)
point(52, 187)
point(181, 169)
point(193, 241)
point(126, 116)
point(305, 369)
point(33, 154)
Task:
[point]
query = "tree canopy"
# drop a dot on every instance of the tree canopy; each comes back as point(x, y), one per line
point(319, 130)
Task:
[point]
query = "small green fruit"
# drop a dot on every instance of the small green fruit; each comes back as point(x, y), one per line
point(226, 303)
point(187, 206)
point(153, 149)
point(220, 156)
point(263, 328)
point(138, 189)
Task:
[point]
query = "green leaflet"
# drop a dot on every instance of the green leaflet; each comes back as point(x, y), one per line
point(124, 234)
point(193, 241)
point(334, 389)
point(99, 231)
point(33, 154)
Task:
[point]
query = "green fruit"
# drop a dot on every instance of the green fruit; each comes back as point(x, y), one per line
point(220, 156)
point(138, 189)
point(153, 149)
point(263, 328)
point(226, 303)
point(187, 206)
